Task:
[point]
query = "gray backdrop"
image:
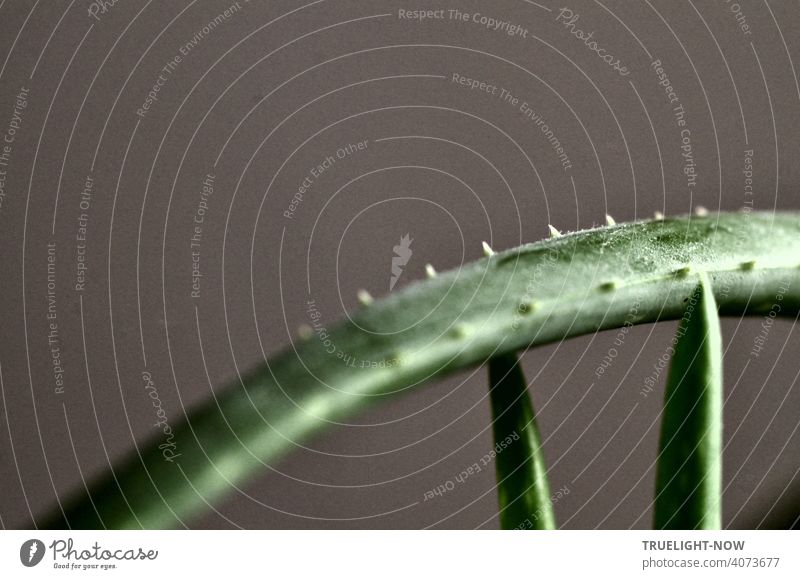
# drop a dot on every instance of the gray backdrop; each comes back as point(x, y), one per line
point(262, 93)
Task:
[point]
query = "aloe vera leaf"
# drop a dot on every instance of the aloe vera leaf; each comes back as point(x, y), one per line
point(689, 472)
point(522, 487)
point(575, 284)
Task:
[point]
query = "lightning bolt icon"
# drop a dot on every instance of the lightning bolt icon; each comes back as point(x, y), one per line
point(400, 259)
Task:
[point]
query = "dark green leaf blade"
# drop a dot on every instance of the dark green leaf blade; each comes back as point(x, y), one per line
point(523, 490)
point(689, 474)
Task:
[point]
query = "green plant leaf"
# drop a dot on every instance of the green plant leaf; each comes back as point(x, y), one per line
point(689, 473)
point(539, 293)
point(522, 487)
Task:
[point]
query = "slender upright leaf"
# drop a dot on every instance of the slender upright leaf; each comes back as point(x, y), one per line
point(523, 490)
point(689, 476)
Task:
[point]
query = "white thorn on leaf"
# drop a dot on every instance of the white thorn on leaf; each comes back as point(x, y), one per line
point(610, 220)
point(429, 271)
point(553, 231)
point(487, 250)
point(364, 297)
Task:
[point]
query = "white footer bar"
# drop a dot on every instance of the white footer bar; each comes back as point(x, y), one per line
point(389, 554)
